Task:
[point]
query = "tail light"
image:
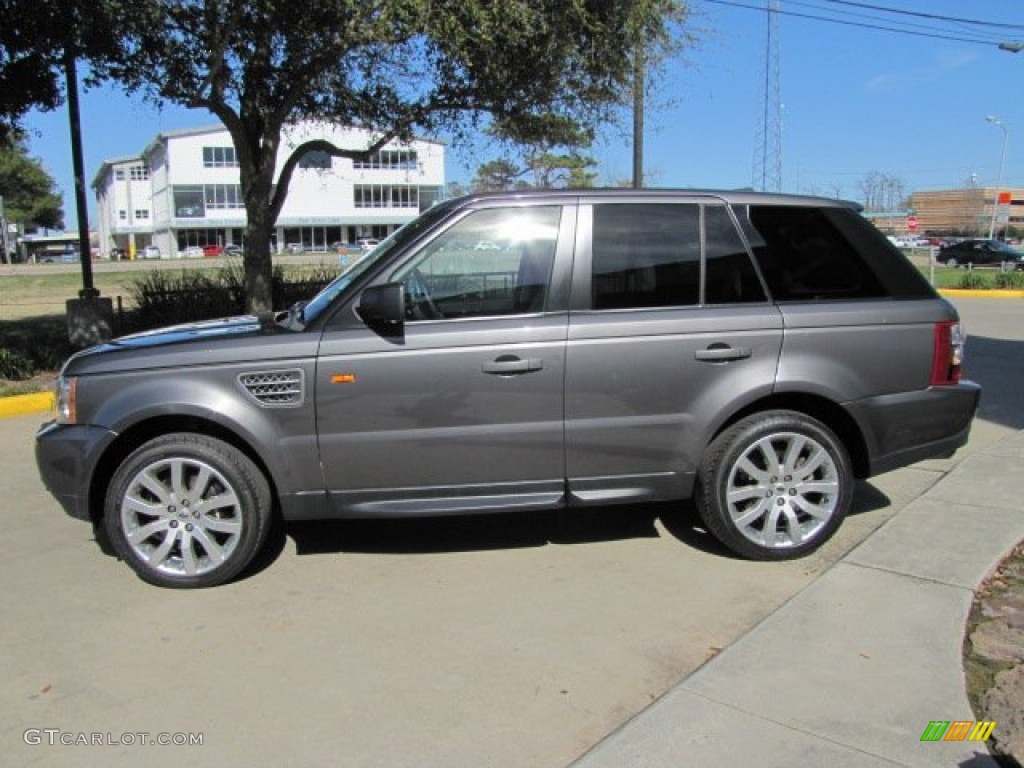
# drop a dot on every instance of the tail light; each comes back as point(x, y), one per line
point(948, 356)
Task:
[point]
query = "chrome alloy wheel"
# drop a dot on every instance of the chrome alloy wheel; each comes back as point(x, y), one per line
point(181, 516)
point(782, 490)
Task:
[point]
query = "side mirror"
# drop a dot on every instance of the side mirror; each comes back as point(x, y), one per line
point(383, 306)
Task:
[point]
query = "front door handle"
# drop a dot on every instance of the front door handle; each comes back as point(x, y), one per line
point(722, 353)
point(508, 365)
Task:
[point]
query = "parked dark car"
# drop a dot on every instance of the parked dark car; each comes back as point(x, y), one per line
point(981, 253)
point(757, 352)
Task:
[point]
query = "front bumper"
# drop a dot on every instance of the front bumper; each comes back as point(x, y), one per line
point(66, 456)
point(912, 426)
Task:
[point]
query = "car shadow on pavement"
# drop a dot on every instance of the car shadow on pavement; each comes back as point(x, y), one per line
point(512, 530)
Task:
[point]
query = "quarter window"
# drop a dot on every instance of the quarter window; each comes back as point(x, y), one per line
point(804, 256)
point(492, 262)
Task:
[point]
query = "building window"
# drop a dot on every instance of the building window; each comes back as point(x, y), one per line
point(317, 159)
point(219, 157)
point(139, 173)
point(141, 213)
point(386, 196)
point(188, 202)
point(122, 215)
point(119, 174)
point(389, 159)
point(223, 196)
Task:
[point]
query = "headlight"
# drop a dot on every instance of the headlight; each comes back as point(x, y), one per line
point(65, 410)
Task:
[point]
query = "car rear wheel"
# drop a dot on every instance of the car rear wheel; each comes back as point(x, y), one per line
point(951, 262)
point(775, 485)
point(187, 510)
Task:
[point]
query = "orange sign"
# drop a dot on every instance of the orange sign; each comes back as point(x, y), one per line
point(1004, 198)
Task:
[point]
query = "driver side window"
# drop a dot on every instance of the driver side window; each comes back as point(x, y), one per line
point(492, 262)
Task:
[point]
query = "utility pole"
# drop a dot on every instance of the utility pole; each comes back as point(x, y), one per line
point(5, 256)
point(639, 83)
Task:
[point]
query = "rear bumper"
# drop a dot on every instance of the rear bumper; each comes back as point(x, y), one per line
point(66, 457)
point(912, 426)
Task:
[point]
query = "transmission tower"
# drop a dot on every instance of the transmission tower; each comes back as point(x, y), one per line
point(768, 148)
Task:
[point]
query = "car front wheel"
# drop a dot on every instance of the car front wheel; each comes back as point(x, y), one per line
point(775, 486)
point(186, 510)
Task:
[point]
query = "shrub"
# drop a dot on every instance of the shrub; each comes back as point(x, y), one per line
point(972, 280)
point(14, 366)
point(168, 298)
point(1010, 280)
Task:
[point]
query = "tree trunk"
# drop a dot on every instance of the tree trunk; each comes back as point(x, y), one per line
point(260, 220)
point(259, 267)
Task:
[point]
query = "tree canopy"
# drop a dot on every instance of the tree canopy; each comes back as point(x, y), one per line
point(399, 68)
point(34, 36)
point(396, 67)
point(29, 192)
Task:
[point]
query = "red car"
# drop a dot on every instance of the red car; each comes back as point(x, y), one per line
point(213, 250)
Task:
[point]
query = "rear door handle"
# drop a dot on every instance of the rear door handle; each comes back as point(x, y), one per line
point(722, 353)
point(508, 365)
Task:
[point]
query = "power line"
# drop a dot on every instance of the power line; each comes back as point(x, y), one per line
point(841, 22)
point(904, 26)
point(933, 16)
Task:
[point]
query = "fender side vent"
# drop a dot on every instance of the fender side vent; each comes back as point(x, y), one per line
point(275, 389)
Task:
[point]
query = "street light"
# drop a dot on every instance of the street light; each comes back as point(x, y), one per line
point(999, 179)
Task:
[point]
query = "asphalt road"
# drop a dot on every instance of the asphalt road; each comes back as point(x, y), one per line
point(500, 641)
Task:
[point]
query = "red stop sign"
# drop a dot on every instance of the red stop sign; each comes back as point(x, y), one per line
point(912, 223)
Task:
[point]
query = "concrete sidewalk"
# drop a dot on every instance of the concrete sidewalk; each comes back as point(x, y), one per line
point(852, 669)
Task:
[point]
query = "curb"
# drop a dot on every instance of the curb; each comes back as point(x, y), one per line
point(986, 293)
point(22, 405)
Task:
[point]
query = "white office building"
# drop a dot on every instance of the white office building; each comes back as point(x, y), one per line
point(183, 191)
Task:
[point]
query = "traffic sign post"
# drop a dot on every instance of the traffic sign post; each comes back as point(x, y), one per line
point(912, 223)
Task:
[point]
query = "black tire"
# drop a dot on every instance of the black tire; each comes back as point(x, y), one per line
point(952, 262)
point(205, 506)
point(780, 510)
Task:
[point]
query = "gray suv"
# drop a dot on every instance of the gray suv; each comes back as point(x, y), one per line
point(528, 352)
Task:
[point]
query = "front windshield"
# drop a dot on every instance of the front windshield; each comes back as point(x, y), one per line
point(396, 239)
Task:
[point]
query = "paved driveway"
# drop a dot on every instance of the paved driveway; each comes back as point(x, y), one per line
point(505, 641)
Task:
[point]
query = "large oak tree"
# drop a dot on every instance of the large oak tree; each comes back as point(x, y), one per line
point(395, 67)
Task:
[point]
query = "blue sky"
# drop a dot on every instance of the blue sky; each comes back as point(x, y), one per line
point(855, 100)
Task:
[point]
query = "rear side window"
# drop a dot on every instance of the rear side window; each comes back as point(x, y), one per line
point(729, 274)
point(646, 255)
point(816, 254)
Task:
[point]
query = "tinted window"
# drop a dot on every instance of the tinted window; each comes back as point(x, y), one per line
point(646, 255)
point(492, 262)
point(803, 256)
point(813, 254)
point(730, 275)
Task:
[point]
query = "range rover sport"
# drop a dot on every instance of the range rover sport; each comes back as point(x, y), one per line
point(756, 352)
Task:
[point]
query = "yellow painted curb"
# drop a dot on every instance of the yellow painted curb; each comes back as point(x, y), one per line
point(985, 293)
point(20, 405)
